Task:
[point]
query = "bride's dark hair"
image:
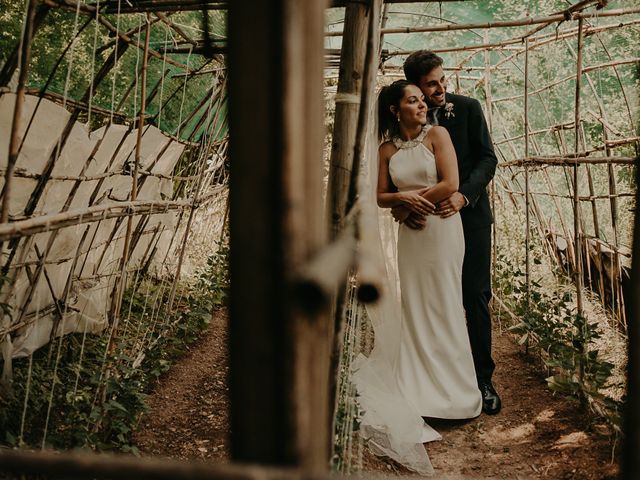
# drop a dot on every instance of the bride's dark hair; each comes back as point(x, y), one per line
point(387, 121)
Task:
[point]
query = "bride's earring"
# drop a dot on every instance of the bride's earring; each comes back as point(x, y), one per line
point(398, 118)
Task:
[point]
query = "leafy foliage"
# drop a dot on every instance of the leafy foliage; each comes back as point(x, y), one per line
point(68, 51)
point(563, 339)
point(97, 404)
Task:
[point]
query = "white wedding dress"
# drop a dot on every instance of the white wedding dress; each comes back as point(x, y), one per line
point(421, 365)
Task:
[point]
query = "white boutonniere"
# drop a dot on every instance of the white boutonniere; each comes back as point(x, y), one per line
point(448, 110)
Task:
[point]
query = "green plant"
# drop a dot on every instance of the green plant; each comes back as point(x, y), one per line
point(213, 280)
point(96, 404)
point(564, 340)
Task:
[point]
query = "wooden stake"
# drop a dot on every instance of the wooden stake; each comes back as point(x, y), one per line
point(527, 239)
point(82, 466)
point(121, 285)
point(561, 17)
point(489, 111)
point(631, 445)
point(279, 354)
point(14, 138)
point(576, 190)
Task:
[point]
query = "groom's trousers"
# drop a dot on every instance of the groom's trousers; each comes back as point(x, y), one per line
point(476, 294)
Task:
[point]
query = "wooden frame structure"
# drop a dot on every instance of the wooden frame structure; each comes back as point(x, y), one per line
point(281, 348)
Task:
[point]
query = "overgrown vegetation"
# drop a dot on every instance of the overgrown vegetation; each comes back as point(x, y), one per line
point(66, 395)
point(548, 325)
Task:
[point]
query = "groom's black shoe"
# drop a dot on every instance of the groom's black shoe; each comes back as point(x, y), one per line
point(491, 403)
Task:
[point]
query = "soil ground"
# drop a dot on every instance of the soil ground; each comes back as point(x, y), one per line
point(537, 435)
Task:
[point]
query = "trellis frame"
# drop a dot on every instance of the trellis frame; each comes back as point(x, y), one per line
point(563, 160)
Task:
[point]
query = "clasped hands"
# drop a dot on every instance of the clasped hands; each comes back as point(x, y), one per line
point(415, 208)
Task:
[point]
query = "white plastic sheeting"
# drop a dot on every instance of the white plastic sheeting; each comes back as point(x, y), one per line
point(93, 250)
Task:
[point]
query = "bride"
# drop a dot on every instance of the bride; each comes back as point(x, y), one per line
point(430, 372)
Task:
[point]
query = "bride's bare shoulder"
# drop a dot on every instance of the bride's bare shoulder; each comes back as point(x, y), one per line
point(387, 149)
point(438, 133)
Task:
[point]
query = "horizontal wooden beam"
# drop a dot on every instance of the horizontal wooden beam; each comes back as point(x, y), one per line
point(568, 161)
point(47, 223)
point(561, 17)
point(114, 6)
point(343, 3)
point(83, 466)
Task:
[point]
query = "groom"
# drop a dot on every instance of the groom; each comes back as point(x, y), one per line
point(463, 118)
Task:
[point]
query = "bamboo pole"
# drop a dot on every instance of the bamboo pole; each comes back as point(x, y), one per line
point(22, 173)
point(351, 114)
point(69, 258)
point(180, 31)
point(369, 266)
point(280, 373)
point(369, 286)
point(583, 198)
point(594, 209)
point(346, 113)
point(82, 466)
point(49, 223)
point(624, 61)
point(121, 284)
point(369, 79)
point(576, 192)
point(321, 277)
point(615, 284)
point(489, 111)
point(112, 42)
point(569, 160)
point(561, 17)
point(550, 129)
point(612, 186)
point(148, 6)
point(14, 140)
point(631, 421)
point(347, 107)
point(527, 239)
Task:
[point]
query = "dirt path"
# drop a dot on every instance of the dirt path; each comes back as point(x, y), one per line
point(188, 410)
point(536, 436)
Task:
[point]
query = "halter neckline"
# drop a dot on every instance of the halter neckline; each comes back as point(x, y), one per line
point(400, 143)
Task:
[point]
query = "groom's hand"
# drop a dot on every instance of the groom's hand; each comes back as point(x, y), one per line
point(416, 221)
point(400, 213)
point(451, 206)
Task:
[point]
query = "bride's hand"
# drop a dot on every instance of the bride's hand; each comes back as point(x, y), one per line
point(415, 202)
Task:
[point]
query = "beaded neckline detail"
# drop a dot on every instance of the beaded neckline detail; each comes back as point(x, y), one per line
point(399, 143)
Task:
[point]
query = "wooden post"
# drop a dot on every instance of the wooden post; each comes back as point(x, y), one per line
point(279, 356)
point(576, 189)
point(122, 282)
point(343, 149)
point(492, 187)
point(527, 197)
point(24, 53)
point(631, 446)
point(352, 62)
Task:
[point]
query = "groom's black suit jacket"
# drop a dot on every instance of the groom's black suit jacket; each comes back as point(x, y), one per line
point(476, 159)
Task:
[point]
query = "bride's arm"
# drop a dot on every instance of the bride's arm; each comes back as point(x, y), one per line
point(388, 195)
point(446, 163)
